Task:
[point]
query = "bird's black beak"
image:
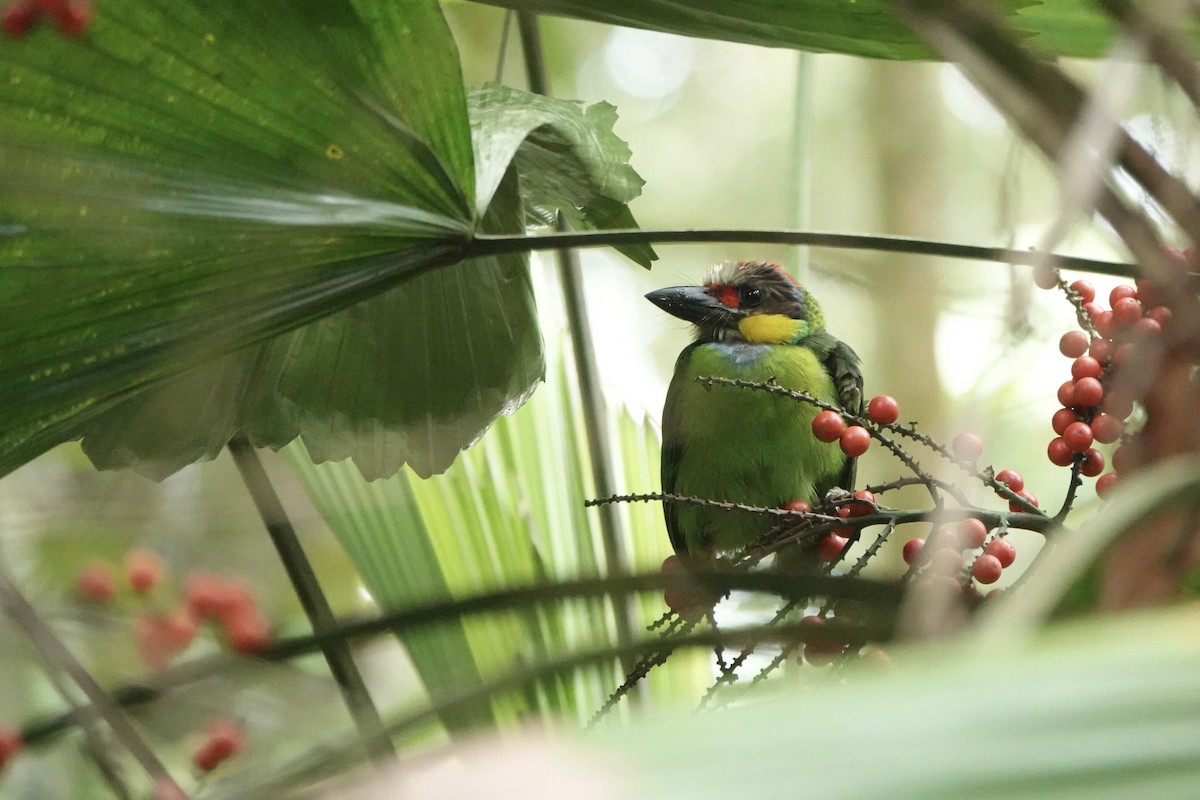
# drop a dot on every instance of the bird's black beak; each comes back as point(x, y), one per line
point(694, 304)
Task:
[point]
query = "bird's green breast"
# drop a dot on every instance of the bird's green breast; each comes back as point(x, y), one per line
point(743, 445)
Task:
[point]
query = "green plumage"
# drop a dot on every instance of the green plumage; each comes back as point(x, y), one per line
point(745, 446)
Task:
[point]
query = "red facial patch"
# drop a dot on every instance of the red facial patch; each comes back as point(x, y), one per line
point(726, 294)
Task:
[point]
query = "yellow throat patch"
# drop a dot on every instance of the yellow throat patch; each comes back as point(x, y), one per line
point(769, 328)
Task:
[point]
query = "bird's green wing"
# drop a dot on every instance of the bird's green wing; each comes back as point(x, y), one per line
point(845, 367)
point(673, 446)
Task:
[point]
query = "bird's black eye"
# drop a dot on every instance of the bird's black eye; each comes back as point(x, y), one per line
point(750, 296)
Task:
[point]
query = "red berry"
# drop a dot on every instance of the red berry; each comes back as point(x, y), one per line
point(855, 440)
point(1078, 436)
point(820, 653)
point(1002, 550)
point(18, 18)
point(95, 583)
point(1126, 311)
point(1106, 483)
point(1061, 419)
point(1086, 367)
point(247, 631)
point(1119, 293)
point(1122, 353)
point(1160, 314)
point(864, 503)
point(1086, 292)
point(75, 18)
point(1103, 322)
point(912, 549)
point(1073, 344)
point(1029, 497)
point(209, 595)
point(1124, 458)
point(883, 409)
point(224, 739)
point(828, 426)
point(1107, 428)
point(1147, 328)
point(1100, 349)
point(11, 743)
point(967, 446)
point(1066, 393)
point(1118, 404)
point(144, 570)
point(1059, 452)
point(1093, 462)
point(1012, 478)
point(160, 638)
point(830, 546)
point(1148, 292)
point(1087, 393)
point(986, 569)
point(971, 533)
point(799, 506)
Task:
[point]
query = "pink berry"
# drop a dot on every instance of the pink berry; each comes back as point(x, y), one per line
point(1107, 428)
point(971, 533)
point(967, 446)
point(96, 583)
point(1106, 483)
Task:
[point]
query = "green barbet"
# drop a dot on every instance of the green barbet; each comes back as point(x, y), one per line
point(755, 323)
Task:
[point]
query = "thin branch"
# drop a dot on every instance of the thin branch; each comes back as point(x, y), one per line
point(308, 589)
point(587, 368)
point(497, 244)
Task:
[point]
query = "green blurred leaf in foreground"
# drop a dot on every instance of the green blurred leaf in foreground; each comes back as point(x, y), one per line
point(1104, 709)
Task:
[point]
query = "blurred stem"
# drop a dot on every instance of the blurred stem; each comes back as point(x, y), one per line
point(587, 371)
point(312, 599)
point(799, 195)
point(501, 244)
point(101, 705)
point(881, 598)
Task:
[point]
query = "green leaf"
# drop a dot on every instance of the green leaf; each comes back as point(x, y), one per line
point(508, 513)
point(862, 28)
point(194, 178)
point(567, 156)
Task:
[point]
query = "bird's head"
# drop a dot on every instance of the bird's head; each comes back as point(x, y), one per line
point(745, 301)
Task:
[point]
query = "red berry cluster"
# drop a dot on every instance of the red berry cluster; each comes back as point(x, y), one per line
point(162, 634)
point(943, 554)
point(71, 17)
point(830, 426)
point(1095, 404)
